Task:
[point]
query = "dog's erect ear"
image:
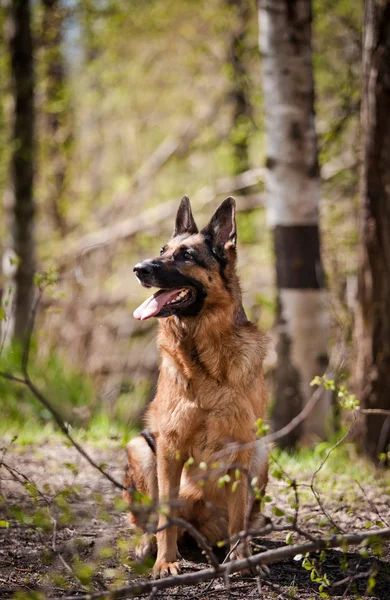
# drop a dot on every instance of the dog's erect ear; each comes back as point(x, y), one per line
point(185, 222)
point(222, 227)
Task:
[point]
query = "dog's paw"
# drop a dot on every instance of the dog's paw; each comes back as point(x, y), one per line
point(146, 547)
point(242, 551)
point(262, 570)
point(163, 568)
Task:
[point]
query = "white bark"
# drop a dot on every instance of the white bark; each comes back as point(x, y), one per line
point(304, 319)
point(293, 184)
point(292, 194)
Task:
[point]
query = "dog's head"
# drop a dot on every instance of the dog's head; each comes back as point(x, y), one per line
point(195, 270)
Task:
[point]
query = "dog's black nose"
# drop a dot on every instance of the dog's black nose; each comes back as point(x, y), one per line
point(143, 268)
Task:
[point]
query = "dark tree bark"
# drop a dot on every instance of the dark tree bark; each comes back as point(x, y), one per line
point(373, 313)
point(22, 162)
point(242, 108)
point(57, 135)
point(293, 194)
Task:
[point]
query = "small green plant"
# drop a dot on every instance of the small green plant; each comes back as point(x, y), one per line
point(345, 398)
point(312, 565)
point(262, 428)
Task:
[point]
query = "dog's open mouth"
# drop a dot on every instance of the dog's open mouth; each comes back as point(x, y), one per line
point(164, 302)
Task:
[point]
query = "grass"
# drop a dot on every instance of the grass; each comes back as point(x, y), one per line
point(344, 461)
point(72, 395)
point(345, 481)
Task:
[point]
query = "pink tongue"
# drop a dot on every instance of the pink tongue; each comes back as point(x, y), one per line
point(153, 305)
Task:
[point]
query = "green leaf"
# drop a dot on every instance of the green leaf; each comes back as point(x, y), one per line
point(379, 524)
point(4, 524)
point(262, 428)
point(289, 538)
point(368, 524)
point(235, 485)
point(278, 512)
point(85, 571)
point(371, 583)
point(316, 381)
point(72, 467)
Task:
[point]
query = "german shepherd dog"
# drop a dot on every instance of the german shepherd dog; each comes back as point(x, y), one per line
point(210, 392)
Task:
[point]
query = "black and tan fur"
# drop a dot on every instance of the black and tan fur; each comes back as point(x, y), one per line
point(210, 390)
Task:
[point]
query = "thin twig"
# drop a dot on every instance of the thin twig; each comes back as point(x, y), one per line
point(372, 505)
point(374, 411)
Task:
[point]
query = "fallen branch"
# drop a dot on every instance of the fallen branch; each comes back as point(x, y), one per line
point(264, 558)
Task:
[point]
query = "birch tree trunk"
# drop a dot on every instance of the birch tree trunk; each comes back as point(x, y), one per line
point(373, 313)
point(22, 163)
point(293, 195)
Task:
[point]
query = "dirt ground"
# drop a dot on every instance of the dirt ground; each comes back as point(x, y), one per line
point(63, 532)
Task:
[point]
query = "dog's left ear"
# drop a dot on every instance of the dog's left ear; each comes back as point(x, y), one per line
point(222, 226)
point(185, 222)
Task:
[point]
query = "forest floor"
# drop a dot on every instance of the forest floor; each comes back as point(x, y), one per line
point(63, 531)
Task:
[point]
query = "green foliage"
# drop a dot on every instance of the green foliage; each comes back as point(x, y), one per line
point(71, 393)
point(66, 389)
point(262, 428)
point(224, 479)
point(345, 398)
point(246, 225)
point(316, 576)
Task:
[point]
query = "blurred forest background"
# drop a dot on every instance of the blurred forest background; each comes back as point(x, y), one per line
point(136, 103)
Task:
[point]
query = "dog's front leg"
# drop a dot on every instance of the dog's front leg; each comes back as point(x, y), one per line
point(169, 470)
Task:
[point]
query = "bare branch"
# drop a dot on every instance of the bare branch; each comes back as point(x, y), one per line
point(374, 411)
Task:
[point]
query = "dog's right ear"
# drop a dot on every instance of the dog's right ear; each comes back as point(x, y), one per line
point(185, 222)
point(222, 227)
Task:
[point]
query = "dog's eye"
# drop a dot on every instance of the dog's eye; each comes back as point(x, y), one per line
point(187, 256)
point(162, 251)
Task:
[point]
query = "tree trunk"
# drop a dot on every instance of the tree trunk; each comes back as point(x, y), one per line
point(293, 194)
point(55, 115)
point(242, 108)
point(22, 162)
point(373, 316)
